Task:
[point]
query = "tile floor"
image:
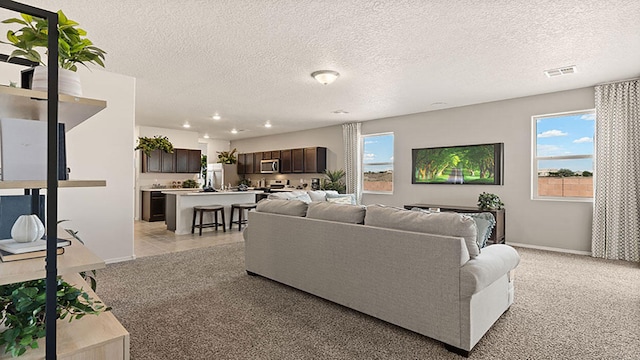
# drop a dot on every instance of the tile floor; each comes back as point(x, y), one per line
point(153, 238)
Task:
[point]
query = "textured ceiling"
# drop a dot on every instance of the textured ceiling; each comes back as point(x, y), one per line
point(250, 60)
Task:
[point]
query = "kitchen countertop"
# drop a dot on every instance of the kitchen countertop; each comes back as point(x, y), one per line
point(206, 193)
point(171, 189)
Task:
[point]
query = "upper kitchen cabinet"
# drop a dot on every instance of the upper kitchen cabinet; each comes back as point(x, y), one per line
point(275, 154)
point(315, 159)
point(297, 160)
point(257, 157)
point(266, 155)
point(180, 161)
point(285, 161)
point(249, 164)
point(241, 163)
point(187, 161)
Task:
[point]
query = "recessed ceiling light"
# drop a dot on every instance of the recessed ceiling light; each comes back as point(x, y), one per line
point(234, 131)
point(206, 136)
point(216, 117)
point(325, 77)
point(341, 112)
point(267, 124)
point(186, 125)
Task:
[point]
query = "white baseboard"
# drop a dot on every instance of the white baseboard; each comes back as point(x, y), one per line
point(547, 248)
point(117, 260)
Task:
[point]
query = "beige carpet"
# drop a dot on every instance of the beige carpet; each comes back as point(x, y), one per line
point(200, 304)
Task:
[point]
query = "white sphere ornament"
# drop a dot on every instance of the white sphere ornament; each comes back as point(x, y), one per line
point(27, 228)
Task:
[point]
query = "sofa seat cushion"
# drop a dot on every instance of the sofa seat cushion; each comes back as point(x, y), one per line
point(444, 223)
point(282, 207)
point(346, 213)
point(494, 262)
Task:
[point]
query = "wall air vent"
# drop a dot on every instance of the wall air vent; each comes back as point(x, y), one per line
point(565, 70)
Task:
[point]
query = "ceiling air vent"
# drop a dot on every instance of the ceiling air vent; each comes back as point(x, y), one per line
point(566, 70)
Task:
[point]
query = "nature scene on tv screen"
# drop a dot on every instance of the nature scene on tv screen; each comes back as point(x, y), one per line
point(475, 164)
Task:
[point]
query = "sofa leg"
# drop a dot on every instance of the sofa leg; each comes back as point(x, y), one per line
point(456, 350)
point(251, 273)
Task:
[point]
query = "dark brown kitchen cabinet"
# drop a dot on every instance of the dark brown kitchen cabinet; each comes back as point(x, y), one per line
point(180, 161)
point(257, 157)
point(241, 163)
point(152, 162)
point(285, 161)
point(249, 161)
point(275, 154)
point(266, 155)
point(315, 159)
point(168, 162)
point(153, 203)
point(195, 162)
point(297, 160)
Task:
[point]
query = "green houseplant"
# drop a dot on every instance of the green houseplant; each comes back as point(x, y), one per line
point(487, 201)
point(227, 157)
point(73, 47)
point(334, 180)
point(147, 144)
point(23, 311)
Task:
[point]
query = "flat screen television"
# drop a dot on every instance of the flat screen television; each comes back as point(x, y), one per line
point(465, 164)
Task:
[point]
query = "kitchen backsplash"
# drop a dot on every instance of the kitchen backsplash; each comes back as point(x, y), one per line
point(294, 179)
point(147, 180)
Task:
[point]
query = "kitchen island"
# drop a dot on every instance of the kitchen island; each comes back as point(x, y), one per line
point(179, 206)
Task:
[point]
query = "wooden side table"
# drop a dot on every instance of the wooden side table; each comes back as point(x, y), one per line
point(497, 235)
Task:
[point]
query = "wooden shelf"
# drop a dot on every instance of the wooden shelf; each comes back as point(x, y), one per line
point(76, 258)
point(92, 337)
point(42, 184)
point(32, 105)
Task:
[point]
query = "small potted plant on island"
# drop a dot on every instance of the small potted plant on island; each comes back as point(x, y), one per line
point(488, 201)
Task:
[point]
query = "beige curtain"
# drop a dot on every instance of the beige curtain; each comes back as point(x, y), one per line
point(352, 158)
point(616, 217)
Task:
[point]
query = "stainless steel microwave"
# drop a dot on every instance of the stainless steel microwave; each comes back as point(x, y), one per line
point(270, 166)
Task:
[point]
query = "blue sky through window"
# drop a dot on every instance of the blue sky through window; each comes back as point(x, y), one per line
point(566, 135)
point(378, 153)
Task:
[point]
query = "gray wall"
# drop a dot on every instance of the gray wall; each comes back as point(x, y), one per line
point(553, 224)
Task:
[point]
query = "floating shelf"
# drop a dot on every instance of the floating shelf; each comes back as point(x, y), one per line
point(42, 184)
point(32, 105)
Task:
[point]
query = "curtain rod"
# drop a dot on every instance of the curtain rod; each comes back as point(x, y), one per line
point(618, 81)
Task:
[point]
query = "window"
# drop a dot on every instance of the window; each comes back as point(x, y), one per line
point(377, 163)
point(563, 155)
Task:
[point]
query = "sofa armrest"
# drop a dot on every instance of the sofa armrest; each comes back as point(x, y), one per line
point(494, 262)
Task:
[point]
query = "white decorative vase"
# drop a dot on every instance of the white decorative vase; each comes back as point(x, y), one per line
point(27, 228)
point(68, 81)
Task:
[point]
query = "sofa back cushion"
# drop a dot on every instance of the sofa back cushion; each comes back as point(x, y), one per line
point(346, 213)
point(282, 207)
point(444, 223)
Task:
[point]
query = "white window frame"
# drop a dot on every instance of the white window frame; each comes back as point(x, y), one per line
point(535, 158)
point(393, 151)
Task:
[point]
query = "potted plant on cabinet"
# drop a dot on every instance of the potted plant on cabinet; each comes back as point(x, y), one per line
point(147, 144)
point(73, 49)
point(227, 157)
point(488, 201)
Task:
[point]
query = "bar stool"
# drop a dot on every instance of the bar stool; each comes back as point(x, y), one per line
point(241, 208)
point(203, 209)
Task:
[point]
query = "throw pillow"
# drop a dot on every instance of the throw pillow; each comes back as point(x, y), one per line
point(304, 197)
point(443, 223)
point(341, 198)
point(317, 195)
point(346, 213)
point(282, 207)
point(485, 222)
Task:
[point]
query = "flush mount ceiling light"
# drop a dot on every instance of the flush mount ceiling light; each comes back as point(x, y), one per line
point(186, 125)
point(206, 136)
point(216, 117)
point(325, 77)
point(234, 131)
point(267, 124)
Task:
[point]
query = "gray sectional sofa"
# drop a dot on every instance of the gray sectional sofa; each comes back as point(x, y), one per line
point(424, 280)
